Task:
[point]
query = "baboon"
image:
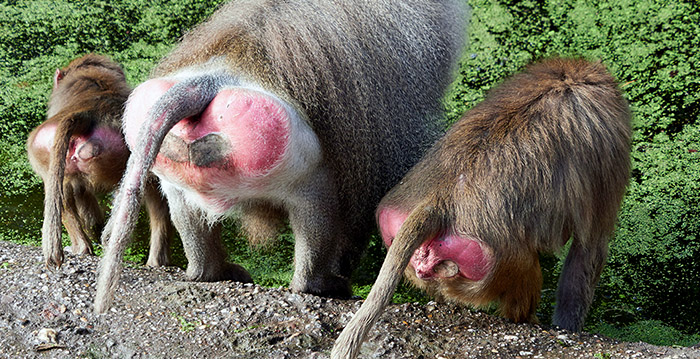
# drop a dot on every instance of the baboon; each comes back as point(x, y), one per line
point(306, 110)
point(79, 151)
point(544, 159)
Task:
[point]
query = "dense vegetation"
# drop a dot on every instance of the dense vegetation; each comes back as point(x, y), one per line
point(649, 290)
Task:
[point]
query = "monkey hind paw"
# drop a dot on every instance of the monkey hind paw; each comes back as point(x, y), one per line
point(331, 286)
point(236, 273)
point(79, 249)
point(158, 261)
point(229, 271)
point(54, 261)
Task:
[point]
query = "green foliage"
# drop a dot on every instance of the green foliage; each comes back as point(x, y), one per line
point(654, 264)
point(270, 264)
point(36, 37)
point(649, 331)
point(20, 209)
point(34, 29)
point(18, 177)
point(649, 45)
point(186, 326)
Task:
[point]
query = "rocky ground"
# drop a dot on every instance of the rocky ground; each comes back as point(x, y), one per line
point(48, 314)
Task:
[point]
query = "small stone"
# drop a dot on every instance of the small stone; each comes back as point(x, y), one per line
point(47, 335)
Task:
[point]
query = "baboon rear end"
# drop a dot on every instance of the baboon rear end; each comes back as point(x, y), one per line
point(544, 159)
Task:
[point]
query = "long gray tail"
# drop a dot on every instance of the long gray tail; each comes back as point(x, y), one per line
point(187, 98)
point(423, 222)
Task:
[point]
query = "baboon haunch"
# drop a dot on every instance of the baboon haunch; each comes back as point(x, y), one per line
point(544, 159)
point(307, 110)
point(80, 151)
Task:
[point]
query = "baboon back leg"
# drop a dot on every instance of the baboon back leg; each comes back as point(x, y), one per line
point(351, 251)
point(206, 256)
point(317, 228)
point(91, 213)
point(159, 222)
point(82, 217)
point(519, 302)
point(578, 280)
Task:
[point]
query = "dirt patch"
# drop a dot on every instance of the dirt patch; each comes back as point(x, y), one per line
point(48, 314)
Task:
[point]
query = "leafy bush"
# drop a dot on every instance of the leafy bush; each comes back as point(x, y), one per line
point(654, 264)
point(38, 36)
point(649, 331)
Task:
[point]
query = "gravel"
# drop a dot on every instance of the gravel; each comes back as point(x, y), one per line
point(157, 314)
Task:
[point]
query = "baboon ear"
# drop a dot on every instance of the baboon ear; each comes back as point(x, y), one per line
point(57, 76)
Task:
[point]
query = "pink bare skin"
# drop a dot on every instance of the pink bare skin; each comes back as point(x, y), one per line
point(446, 255)
point(83, 148)
point(241, 137)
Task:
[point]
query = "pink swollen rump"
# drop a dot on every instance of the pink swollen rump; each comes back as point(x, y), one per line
point(83, 148)
point(239, 138)
point(255, 124)
point(472, 257)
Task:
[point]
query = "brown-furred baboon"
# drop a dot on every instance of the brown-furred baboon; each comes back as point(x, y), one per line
point(306, 110)
point(79, 151)
point(542, 160)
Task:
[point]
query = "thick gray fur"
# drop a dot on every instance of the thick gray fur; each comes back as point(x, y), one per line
point(367, 75)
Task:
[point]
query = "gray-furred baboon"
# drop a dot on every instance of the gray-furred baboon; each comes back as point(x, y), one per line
point(307, 110)
point(79, 151)
point(543, 159)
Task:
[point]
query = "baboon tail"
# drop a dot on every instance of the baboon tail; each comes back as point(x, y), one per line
point(69, 122)
point(423, 222)
point(186, 98)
